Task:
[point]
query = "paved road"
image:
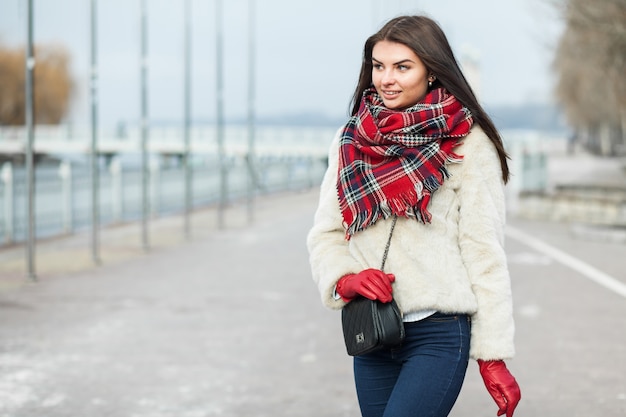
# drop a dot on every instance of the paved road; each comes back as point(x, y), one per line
point(230, 324)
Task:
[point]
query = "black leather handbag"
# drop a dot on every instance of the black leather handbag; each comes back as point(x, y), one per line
point(370, 325)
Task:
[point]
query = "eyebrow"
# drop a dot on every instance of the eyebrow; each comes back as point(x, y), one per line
point(395, 63)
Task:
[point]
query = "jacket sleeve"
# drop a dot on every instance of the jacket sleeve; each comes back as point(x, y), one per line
point(481, 240)
point(329, 253)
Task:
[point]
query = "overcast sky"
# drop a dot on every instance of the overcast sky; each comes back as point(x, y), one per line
point(307, 52)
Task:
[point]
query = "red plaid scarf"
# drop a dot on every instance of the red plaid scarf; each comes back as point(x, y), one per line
point(390, 162)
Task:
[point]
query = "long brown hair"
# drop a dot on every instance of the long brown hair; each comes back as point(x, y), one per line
point(424, 36)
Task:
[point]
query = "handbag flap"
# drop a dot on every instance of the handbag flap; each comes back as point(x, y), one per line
point(360, 327)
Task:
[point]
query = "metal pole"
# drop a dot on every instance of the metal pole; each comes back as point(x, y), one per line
point(95, 174)
point(117, 199)
point(9, 217)
point(65, 174)
point(144, 128)
point(220, 115)
point(30, 159)
point(251, 108)
point(187, 122)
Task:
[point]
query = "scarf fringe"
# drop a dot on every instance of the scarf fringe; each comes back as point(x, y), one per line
point(410, 204)
point(365, 219)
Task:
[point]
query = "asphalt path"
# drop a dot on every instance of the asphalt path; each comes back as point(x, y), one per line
point(230, 324)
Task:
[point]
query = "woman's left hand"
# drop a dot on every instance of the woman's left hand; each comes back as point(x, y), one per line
point(501, 385)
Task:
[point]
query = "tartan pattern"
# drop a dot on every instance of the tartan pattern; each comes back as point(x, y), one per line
point(390, 162)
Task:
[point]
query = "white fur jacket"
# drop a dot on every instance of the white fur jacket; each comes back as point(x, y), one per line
point(455, 264)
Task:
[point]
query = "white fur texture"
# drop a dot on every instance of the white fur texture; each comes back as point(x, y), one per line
point(455, 264)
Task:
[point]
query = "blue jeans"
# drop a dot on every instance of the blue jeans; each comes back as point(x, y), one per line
point(420, 378)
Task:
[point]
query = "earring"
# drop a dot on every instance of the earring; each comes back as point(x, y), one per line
point(430, 83)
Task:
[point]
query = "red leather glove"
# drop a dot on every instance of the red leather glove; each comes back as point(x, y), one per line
point(370, 283)
point(501, 385)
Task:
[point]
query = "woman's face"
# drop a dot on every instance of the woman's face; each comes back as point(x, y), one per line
point(400, 77)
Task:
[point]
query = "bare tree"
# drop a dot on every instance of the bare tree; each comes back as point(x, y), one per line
point(590, 62)
point(53, 85)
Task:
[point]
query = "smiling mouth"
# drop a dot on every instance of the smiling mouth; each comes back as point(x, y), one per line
point(391, 93)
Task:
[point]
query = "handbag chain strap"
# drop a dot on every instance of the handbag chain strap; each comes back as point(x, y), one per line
point(393, 225)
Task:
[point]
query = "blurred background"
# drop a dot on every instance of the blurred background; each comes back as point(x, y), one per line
point(156, 107)
point(178, 146)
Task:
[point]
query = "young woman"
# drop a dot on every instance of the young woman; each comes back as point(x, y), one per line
point(420, 147)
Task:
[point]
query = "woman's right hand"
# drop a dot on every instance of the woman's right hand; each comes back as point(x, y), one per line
point(370, 283)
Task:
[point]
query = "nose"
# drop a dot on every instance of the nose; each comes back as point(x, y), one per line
point(387, 77)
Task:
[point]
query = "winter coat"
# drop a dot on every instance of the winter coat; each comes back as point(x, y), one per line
point(455, 264)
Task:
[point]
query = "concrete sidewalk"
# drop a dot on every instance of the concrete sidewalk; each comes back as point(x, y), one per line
point(229, 324)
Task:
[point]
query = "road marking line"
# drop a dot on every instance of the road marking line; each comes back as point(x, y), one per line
point(583, 268)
